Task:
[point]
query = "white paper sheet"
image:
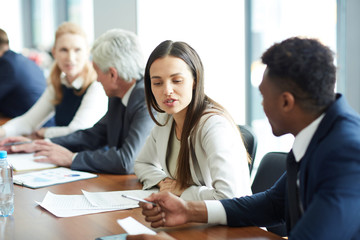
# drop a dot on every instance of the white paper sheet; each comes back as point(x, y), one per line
point(70, 205)
point(75, 205)
point(25, 161)
point(114, 198)
point(50, 177)
point(133, 227)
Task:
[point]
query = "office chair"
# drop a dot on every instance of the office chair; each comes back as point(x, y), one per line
point(250, 142)
point(270, 169)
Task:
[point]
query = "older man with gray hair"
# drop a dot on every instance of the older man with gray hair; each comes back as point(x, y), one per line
point(113, 143)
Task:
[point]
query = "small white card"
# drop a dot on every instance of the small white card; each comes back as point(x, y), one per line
point(133, 227)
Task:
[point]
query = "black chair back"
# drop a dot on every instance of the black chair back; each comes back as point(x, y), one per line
point(250, 142)
point(270, 169)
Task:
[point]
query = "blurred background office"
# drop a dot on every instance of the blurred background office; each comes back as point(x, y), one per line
point(230, 35)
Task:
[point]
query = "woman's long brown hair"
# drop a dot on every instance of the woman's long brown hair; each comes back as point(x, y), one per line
point(200, 104)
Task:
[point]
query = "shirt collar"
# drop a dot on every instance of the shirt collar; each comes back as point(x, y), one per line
point(126, 97)
point(304, 137)
point(76, 84)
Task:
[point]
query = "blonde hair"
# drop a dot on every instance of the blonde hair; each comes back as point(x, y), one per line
point(4, 40)
point(88, 73)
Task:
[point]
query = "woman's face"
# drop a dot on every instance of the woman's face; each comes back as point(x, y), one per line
point(71, 54)
point(172, 85)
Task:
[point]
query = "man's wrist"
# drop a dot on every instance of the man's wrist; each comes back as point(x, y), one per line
point(196, 212)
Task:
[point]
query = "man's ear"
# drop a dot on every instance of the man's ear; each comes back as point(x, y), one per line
point(113, 73)
point(288, 101)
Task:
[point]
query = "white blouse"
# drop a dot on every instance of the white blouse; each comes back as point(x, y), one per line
point(217, 161)
point(93, 106)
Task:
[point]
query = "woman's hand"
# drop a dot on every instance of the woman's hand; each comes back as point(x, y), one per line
point(170, 185)
point(2, 132)
point(40, 133)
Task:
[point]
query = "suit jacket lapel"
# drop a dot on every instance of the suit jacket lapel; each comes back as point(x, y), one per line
point(324, 127)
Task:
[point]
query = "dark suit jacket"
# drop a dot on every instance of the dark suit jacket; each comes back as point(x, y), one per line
point(21, 84)
point(113, 143)
point(329, 184)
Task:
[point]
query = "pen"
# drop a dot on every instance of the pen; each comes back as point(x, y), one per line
point(137, 199)
point(72, 175)
point(16, 143)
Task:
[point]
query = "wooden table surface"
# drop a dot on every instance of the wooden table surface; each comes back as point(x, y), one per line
point(30, 221)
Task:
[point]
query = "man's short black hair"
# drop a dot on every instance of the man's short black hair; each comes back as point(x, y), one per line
point(304, 67)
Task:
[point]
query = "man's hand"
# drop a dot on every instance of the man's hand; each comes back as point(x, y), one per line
point(53, 153)
point(159, 236)
point(29, 147)
point(170, 185)
point(172, 210)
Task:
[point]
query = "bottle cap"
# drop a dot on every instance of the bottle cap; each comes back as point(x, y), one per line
point(3, 154)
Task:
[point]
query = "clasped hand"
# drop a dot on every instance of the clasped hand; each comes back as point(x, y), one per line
point(170, 185)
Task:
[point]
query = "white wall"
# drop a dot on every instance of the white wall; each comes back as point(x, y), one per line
point(10, 22)
point(110, 14)
point(349, 51)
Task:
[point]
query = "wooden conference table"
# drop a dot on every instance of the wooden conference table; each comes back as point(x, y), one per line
point(30, 221)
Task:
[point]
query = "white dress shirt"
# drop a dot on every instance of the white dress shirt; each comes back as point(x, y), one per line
point(216, 211)
point(126, 97)
point(93, 106)
point(217, 160)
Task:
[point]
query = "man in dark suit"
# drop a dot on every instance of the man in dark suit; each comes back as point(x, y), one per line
point(113, 143)
point(321, 198)
point(21, 81)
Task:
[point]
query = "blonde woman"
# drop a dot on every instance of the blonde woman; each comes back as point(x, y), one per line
point(72, 96)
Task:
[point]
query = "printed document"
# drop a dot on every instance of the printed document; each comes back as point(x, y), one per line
point(90, 202)
point(50, 177)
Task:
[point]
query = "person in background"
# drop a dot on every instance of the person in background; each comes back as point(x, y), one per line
point(320, 199)
point(196, 150)
point(114, 142)
point(73, 96)
point(21, 81)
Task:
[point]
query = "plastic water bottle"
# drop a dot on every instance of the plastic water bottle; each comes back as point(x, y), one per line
point(6, 186)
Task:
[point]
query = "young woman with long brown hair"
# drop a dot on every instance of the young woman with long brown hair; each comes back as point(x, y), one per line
point(195, 150)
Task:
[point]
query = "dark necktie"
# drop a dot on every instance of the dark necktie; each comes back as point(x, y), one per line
point(292, 168)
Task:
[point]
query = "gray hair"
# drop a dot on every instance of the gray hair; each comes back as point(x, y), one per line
point(119, 49)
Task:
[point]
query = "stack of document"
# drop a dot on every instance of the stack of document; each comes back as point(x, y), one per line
point(25, 162)
point(91, 202)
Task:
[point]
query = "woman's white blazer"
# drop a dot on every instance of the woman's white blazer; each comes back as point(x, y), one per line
point(217, 152)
